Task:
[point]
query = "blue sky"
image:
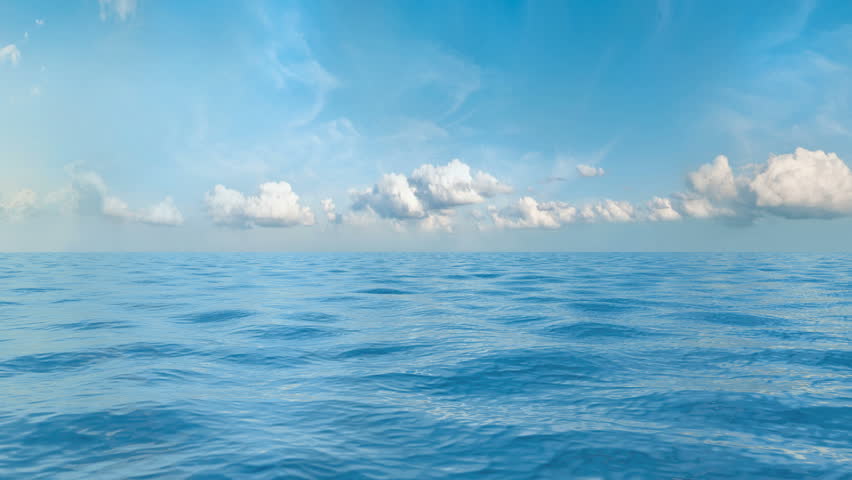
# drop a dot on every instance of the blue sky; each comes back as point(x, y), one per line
point(157, 125)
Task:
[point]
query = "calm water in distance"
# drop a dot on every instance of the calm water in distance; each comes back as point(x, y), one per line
point(403, 366)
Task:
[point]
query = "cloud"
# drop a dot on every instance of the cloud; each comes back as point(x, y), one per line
point(804, 184)
point(700, 207)
point(529, 213)
point(360, 218)
point(590, 171)
point(288, 58)
point(276, 205)
point(19, 205)
point(714, 180)
point(661, 209)
point(427, 192)
point(331, 211)
point(39, 22)
point(417, 131)
point(454, 76)
point(438, 221)
point(608, 211)
point(163, 213)
point(567, 166)
point(122, 9)
point(89, 195)
point(465, 81)
point(391, 197)
point(10, 54)
point(452, 185)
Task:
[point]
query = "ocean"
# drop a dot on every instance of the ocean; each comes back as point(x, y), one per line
point(425, 366)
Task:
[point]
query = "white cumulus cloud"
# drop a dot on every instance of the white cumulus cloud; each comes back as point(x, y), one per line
point(276, 205)
point(608, 211)
point(714, 180)
point(163, 213)
point(392, 197)
point(804, 184)
point(428, 191)
point(661, 209)
point(529, 213)
point(446, 185)
point(690, 205)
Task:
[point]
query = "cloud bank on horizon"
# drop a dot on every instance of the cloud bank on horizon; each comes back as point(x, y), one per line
point(280, 124)
point(803, 184)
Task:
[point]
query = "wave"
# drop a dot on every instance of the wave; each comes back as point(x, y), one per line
point(378, 366)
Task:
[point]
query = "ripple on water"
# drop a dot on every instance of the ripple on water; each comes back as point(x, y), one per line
point(214, 316)
point(745, 412)
point(729, 318)
point(68, 361)
point(313, 317)
point(522, 372)
point(375, 350)
point(385, 291)
point(602, 307)
point(522, 319)
point(595, 330)
point(287, 332)
point(26, 290)
point(92, 325)
point(829, 358)
point(115, 434)
point(386, 366)
point(52, 362)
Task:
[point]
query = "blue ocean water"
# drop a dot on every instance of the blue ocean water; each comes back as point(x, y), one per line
point(403, 366)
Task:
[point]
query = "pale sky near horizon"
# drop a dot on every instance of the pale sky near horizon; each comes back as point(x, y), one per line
point(440, 125)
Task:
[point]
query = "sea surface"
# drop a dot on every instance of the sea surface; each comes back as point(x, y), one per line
point(404, 366)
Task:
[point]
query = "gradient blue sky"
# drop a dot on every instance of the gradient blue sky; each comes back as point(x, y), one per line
point(107, 108)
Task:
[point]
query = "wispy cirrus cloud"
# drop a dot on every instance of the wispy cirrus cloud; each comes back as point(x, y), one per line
point(121, 9)
point(289, 60)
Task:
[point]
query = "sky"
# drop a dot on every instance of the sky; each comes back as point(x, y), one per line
point(153, 125)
